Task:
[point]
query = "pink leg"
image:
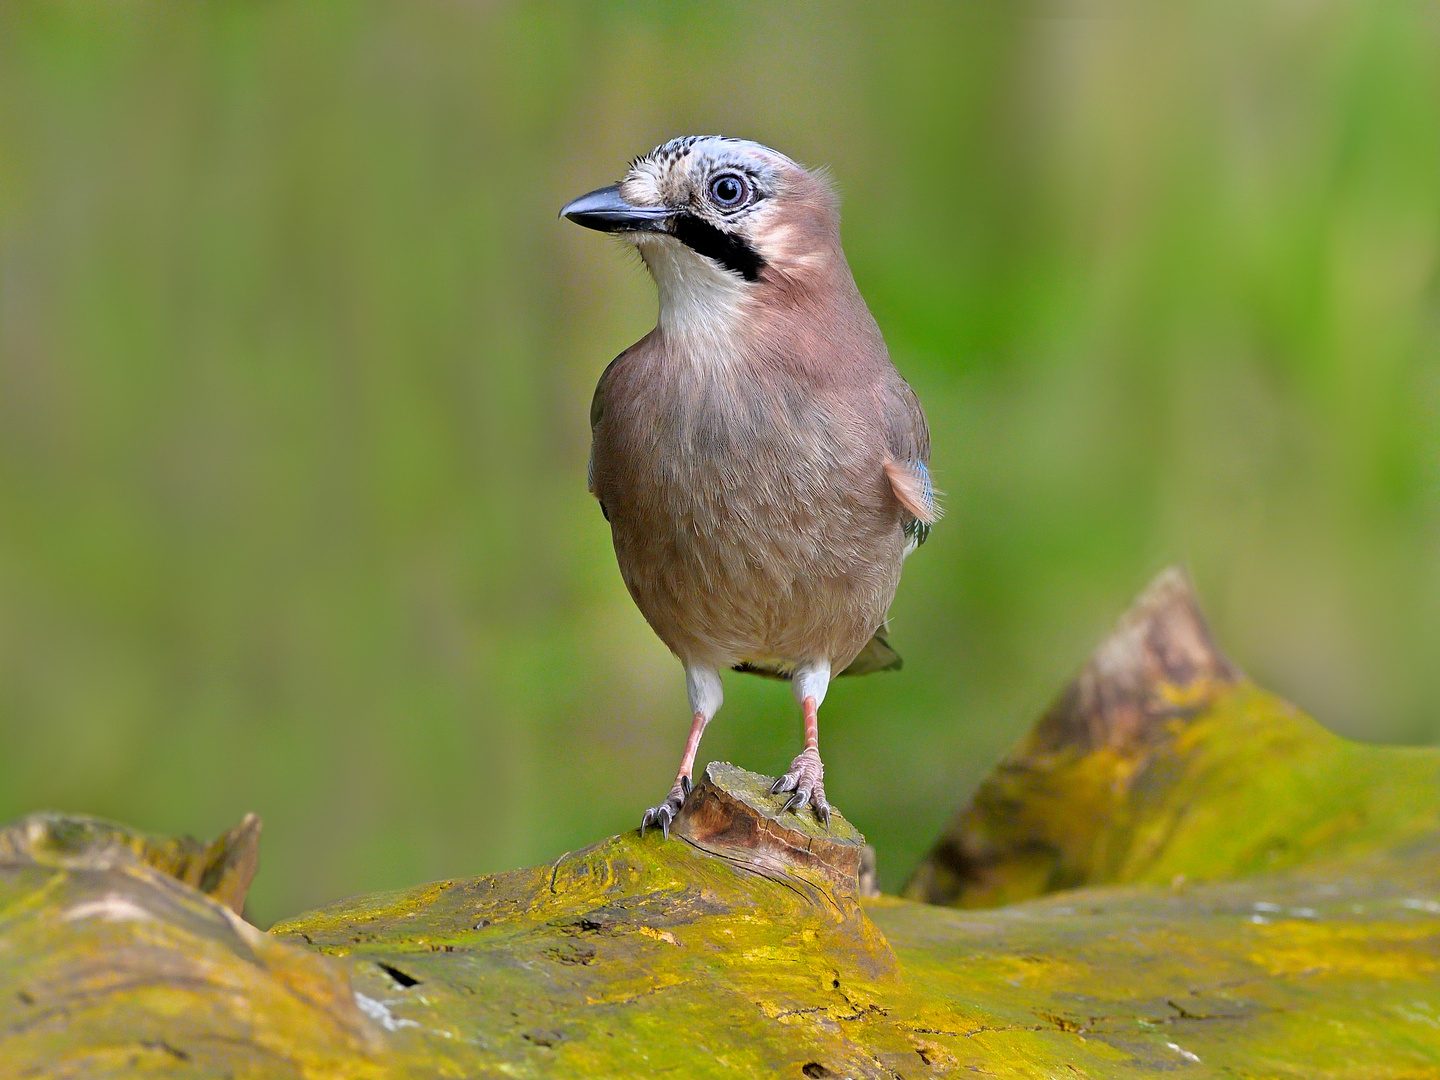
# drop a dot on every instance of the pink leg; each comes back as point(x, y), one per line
point(666, 812)
point(806, 777)
point(692, 745)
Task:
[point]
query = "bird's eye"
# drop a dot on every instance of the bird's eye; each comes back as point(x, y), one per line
point(729, 190)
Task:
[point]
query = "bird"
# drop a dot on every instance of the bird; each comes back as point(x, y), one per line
point(762, 464)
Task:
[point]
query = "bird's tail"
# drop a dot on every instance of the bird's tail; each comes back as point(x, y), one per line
point(877, 655)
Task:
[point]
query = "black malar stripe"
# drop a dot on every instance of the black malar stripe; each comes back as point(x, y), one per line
point(731, 252)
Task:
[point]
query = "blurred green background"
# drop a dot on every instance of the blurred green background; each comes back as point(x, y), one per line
point(295, 364)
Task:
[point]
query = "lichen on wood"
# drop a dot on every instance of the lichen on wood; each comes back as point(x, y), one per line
point(1161, 760)
point(113, 962)
point(1208, 884)
point(222, 869)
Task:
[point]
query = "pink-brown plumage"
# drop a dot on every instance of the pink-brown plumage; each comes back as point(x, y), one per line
point(761, 462)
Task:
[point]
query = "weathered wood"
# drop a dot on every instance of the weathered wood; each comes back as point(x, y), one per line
point(1161, 761)
point(222, 869)
point(111, 966)
point(732, 814)
point(1282, 918)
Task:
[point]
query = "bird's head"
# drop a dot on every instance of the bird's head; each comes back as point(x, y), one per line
point(719, 221)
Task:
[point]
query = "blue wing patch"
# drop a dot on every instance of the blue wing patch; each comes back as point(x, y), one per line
point(916, 530)
point(916, 533)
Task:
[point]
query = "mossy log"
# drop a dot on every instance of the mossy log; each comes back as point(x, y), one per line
point(1197, 879)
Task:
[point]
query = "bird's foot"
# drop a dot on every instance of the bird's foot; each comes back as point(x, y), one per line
point(806, 779)
point(668, 810)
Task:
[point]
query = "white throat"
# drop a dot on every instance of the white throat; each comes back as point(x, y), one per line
point(701, 304)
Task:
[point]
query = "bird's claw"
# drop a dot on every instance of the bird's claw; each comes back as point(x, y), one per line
point(806, 781)
point(664, 814)
point(660, 815)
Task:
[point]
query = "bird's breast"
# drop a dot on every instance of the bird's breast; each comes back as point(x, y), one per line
point(748, 512)
point(731, 453)
point(708, 432)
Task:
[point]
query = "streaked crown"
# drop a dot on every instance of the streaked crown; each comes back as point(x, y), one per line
point(738, 204)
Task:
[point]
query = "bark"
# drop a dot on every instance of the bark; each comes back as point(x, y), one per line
point(1196, 876)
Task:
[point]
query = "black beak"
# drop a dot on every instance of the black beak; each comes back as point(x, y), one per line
point(605, 210)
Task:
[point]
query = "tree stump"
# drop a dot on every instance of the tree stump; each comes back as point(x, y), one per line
point(731, 814)
point(1209, 883)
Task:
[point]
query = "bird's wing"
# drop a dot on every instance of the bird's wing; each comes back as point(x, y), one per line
point(906, 430)
point(597, 411)
point(908, 440)
point(877, 655)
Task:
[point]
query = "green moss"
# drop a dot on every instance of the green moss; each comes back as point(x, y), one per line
point(1254, 785)
point(1248, 784)
point(1274, 911)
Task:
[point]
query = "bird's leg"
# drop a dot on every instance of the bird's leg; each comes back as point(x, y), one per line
point(703, 685)
point(666, 812)
point(806, 777)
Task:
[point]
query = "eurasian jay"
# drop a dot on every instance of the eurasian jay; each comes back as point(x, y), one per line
point(762, 464)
